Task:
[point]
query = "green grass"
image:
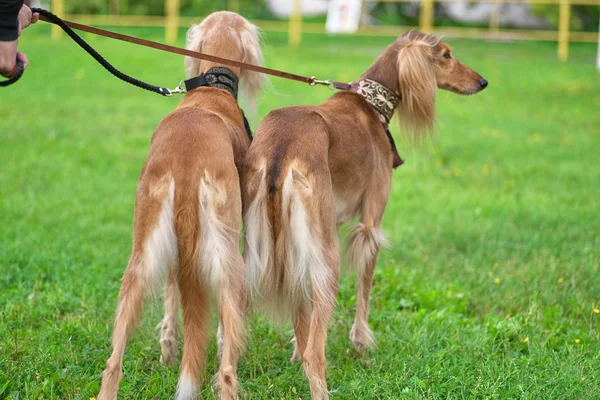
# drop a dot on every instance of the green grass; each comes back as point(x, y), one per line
point(488, 290)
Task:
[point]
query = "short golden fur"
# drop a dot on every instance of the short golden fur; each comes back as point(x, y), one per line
point(187, 216)
point(310, 169)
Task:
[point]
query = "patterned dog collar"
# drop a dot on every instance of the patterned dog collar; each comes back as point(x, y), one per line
point(378, 96)
point(219, 77)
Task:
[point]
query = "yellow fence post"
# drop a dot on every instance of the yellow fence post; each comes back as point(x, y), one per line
point(58, 8)
point(233, 5)
point(563, 30)
point(295, 28)
point(172, 12)
point(114, 8)
point(426, 16)
point(598, 56)
point(495, 18)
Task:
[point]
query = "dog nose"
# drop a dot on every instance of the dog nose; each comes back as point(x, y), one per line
point(483, 83)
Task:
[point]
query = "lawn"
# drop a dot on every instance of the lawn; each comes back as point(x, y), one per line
point(490, 288)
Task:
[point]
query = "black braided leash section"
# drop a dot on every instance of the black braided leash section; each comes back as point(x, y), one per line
point(16, 77)
point(135, 82)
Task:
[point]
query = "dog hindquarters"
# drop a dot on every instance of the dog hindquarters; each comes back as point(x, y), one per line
point(292, 257)
point(208, 232)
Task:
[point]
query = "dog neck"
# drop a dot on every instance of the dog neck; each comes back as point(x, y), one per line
point(220, 78)
point(384, 101)
point(217, 77)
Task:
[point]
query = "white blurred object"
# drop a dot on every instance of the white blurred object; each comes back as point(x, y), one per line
point(511, 15)
point(283, 8)
point(343, 16)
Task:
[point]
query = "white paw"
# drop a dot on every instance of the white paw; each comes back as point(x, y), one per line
point(362, 337)
point(169, 344)
point(296, 356)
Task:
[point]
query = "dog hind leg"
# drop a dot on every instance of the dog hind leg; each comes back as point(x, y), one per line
point(169, 327)
point(232, 306)
point(196, 315)
point(301, 320)
point(147, 265)
point(312, 267)
point(129, 310)
point(314, 361)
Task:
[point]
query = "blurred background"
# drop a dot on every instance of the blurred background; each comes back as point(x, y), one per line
point(554, 20)
point(491, 286)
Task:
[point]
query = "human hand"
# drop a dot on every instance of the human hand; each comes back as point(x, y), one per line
point(8, 56)
point(8, 50)
point(26, 18)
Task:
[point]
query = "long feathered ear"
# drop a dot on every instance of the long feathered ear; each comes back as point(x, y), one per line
point(251, 82)
point(195, 37)
point(418, 86)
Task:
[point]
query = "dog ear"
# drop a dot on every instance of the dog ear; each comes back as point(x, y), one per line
point(418, 87)
point(195, 38)
point(251, 82)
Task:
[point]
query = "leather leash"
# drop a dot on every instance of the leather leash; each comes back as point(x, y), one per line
point(185, 52)
point(68, 27)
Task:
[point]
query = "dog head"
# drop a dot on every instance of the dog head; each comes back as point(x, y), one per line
point(424, 64)
point(228, 35)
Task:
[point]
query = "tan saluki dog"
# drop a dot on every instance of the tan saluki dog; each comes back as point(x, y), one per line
point(309, 169)
point(188, 213)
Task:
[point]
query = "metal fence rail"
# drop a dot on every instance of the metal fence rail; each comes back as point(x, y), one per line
point(296, 27)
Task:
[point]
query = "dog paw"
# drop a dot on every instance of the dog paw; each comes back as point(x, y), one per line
point(226, 384)
point(169, 335)
point(362, 337)
point(296, 356)
point(111, 377)
point(170, 350)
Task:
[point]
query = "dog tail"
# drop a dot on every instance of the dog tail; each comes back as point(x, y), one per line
point(221, 264)
point(187, 228)
point(259, 241)
point(286, 259)
point(301, 252)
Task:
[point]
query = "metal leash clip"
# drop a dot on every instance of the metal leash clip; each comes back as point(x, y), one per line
point(179, 89)
point(326, 82)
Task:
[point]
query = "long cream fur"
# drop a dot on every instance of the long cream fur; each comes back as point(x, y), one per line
point(306, 269)
point(301, 255)
point(418, 87)
point(364, 244)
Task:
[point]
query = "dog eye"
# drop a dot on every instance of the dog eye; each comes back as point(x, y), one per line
point(447, 55)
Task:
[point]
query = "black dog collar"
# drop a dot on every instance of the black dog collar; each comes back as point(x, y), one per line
point(219, 77)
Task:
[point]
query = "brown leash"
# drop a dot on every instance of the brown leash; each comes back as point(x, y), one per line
point(184, 52)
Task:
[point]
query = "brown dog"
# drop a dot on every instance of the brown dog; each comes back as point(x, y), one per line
point(188, 213)
point(310, 169)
